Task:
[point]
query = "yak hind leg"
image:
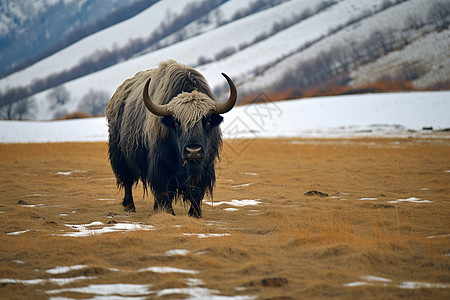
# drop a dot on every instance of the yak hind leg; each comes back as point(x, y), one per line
point(163, 201)
point(128, 203)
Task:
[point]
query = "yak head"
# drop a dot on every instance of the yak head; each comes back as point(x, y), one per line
point(192, 118)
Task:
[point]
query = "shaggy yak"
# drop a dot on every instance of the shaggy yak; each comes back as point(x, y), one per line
point(164, 130)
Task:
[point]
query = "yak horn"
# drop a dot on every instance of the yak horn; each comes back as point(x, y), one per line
point(226, 106)
point(159, 110)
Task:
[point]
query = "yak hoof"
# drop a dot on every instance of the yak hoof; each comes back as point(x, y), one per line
point(128, 204)
point(168, 210)
point(130, 207)
point(194, 213)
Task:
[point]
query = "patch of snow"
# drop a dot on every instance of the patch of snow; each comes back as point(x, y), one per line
point(375, 278)
point(65, 269)
point(206, 235)
point(411, 200)
point(174, 252)
point(25, 282)
point(380, 281)
point(193, 281)
point(109, 290)
point(58, 281)
point(235, 202)
point(421, 285)
point(33, 205)
point(71, 172)
point(84, 231)
point(64, 281)
point(356, 283)
point(231, 209)
point(241, 185)
point(18, 232)
point(18, 261)
point(438, 236)
point(198, 293)
point(167, 270)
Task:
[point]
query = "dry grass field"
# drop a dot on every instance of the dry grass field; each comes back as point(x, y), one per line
point(383, 231)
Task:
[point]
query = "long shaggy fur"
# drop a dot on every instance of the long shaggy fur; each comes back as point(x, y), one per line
point(139, 144)
point(190, 108)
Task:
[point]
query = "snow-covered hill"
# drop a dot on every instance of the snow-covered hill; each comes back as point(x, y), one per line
point(30, 28)
point(377, 115)
point(257, 43)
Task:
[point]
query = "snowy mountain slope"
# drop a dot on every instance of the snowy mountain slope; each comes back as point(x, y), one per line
point(269, 52)
point(140, 26)
point(27, 27)
point(428, 56)
point(378, 115)
point(225, 13)
point(394, 17)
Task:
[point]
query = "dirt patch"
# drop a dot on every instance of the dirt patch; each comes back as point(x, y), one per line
point(382, 231)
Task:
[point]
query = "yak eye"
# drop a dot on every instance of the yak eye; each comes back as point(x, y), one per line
point(171, 122)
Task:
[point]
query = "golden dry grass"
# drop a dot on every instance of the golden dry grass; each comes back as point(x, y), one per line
point(308, 247)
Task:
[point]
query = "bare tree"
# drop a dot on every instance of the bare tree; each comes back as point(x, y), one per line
point(59, 96)
point(341, 56)
point(17, 110)
point(414, 21)
point(439, 14)
point(94, 102)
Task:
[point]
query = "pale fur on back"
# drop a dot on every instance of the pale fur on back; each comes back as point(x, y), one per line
point(169, 81)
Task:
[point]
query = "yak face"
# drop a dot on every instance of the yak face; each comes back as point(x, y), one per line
point(191, 125)
point(192, 119)
point(192, 143)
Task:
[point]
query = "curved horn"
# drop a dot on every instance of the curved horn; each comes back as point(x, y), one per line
point(226, 106)
point(159, 110)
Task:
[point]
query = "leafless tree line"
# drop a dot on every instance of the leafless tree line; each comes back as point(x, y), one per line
point(93, 103)
point(334, 63)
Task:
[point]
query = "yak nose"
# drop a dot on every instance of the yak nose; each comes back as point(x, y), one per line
point(193, 152)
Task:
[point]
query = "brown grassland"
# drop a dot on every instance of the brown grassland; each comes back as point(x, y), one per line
point(289, 246)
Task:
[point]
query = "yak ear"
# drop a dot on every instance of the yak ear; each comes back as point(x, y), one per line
point(169, 122)
point(216, 120)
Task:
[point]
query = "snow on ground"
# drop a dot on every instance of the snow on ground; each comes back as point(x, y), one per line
point(392, 114)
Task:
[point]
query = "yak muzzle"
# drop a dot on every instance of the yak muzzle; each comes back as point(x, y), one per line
point(193, 152)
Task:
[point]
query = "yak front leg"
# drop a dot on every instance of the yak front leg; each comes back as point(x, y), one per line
point(163, 201)
point(196, 197)
point(128, 202)
point(196, 208)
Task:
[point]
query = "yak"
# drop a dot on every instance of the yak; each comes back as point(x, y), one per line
point(164, 130)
